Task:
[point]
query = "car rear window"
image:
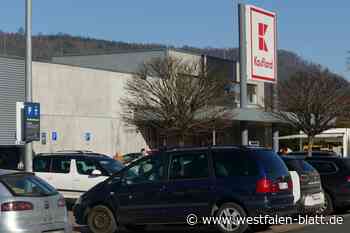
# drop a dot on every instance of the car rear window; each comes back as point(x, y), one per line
point(299, 165)
point(273, 164)
point(27, 185)
point(324, 167)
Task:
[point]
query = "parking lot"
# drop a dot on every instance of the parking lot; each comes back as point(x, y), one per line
point(294, 228)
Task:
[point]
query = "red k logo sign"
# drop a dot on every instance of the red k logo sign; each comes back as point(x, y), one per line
point(262, 31)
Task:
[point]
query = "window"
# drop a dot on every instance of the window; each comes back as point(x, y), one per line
point(144, 171)
point(60, 165)
point(252, 96)
point(298, 165)
point(85, 167)
point(189, 166)
point(41, 164)
point(273, 164)
point(324, 167)
point(28, 185)
point(230, 163)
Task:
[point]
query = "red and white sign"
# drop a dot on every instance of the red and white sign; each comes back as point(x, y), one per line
point(260, 46)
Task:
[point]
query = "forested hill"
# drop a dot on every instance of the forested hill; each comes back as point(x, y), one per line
point(47, 46)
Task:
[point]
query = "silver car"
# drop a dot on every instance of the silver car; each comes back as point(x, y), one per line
point(30, 205)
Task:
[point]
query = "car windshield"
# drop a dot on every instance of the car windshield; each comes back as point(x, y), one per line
point(28, 185)
point(130, 157)
point(110, 165)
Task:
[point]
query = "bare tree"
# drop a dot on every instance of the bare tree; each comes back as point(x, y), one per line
point(176, 97)
point(311, 101)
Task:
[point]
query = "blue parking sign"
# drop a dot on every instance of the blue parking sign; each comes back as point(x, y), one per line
point(32, 110)
point(31, 122)
point(54, 136)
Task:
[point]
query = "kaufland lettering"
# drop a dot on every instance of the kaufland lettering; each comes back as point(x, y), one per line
point(262, 28)
point(263, 63)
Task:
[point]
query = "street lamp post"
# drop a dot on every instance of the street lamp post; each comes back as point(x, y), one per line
point(28, 160)
point(243, 71)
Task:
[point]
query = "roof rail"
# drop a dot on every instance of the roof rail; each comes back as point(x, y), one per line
point(164, 148)
point(75, 151)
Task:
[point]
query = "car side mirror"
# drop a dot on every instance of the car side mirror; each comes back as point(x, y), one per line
point(96, 173)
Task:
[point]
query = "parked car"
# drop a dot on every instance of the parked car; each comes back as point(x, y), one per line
point(73, 173)
point(335, 177)
point(29, 204)
point(312, 198)
point(166, 187)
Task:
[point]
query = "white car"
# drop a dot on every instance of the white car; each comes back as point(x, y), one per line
point(73, 173)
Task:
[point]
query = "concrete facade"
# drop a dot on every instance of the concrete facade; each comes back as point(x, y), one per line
point(78, 101)
point(120, 66)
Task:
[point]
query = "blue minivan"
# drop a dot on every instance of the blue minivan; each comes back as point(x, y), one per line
point(170, 186)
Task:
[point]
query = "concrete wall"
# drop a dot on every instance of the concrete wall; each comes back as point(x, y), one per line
point(76, 101)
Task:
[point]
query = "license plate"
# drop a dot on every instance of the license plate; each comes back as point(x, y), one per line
point(283, 186)
point(314, 199)
point(316, 196)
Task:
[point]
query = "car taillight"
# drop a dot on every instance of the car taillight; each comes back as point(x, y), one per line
point(264, 186)
point(348, 179)
point(304, 178)
point(16, 206)
point(267, 186)
point(61, 202)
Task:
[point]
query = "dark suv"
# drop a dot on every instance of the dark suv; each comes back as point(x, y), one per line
point(335, 176)
point(167, 187)
point(311, 193)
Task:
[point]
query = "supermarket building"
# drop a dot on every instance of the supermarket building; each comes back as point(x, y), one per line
point(80, 103)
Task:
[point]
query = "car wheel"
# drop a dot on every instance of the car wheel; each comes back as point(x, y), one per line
point(135, 228)
point(102, 220)
point(227, 213)
point(328, 207)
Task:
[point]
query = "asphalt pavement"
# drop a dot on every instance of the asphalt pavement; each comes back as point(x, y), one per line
point(337, 228)
point(291, 228)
